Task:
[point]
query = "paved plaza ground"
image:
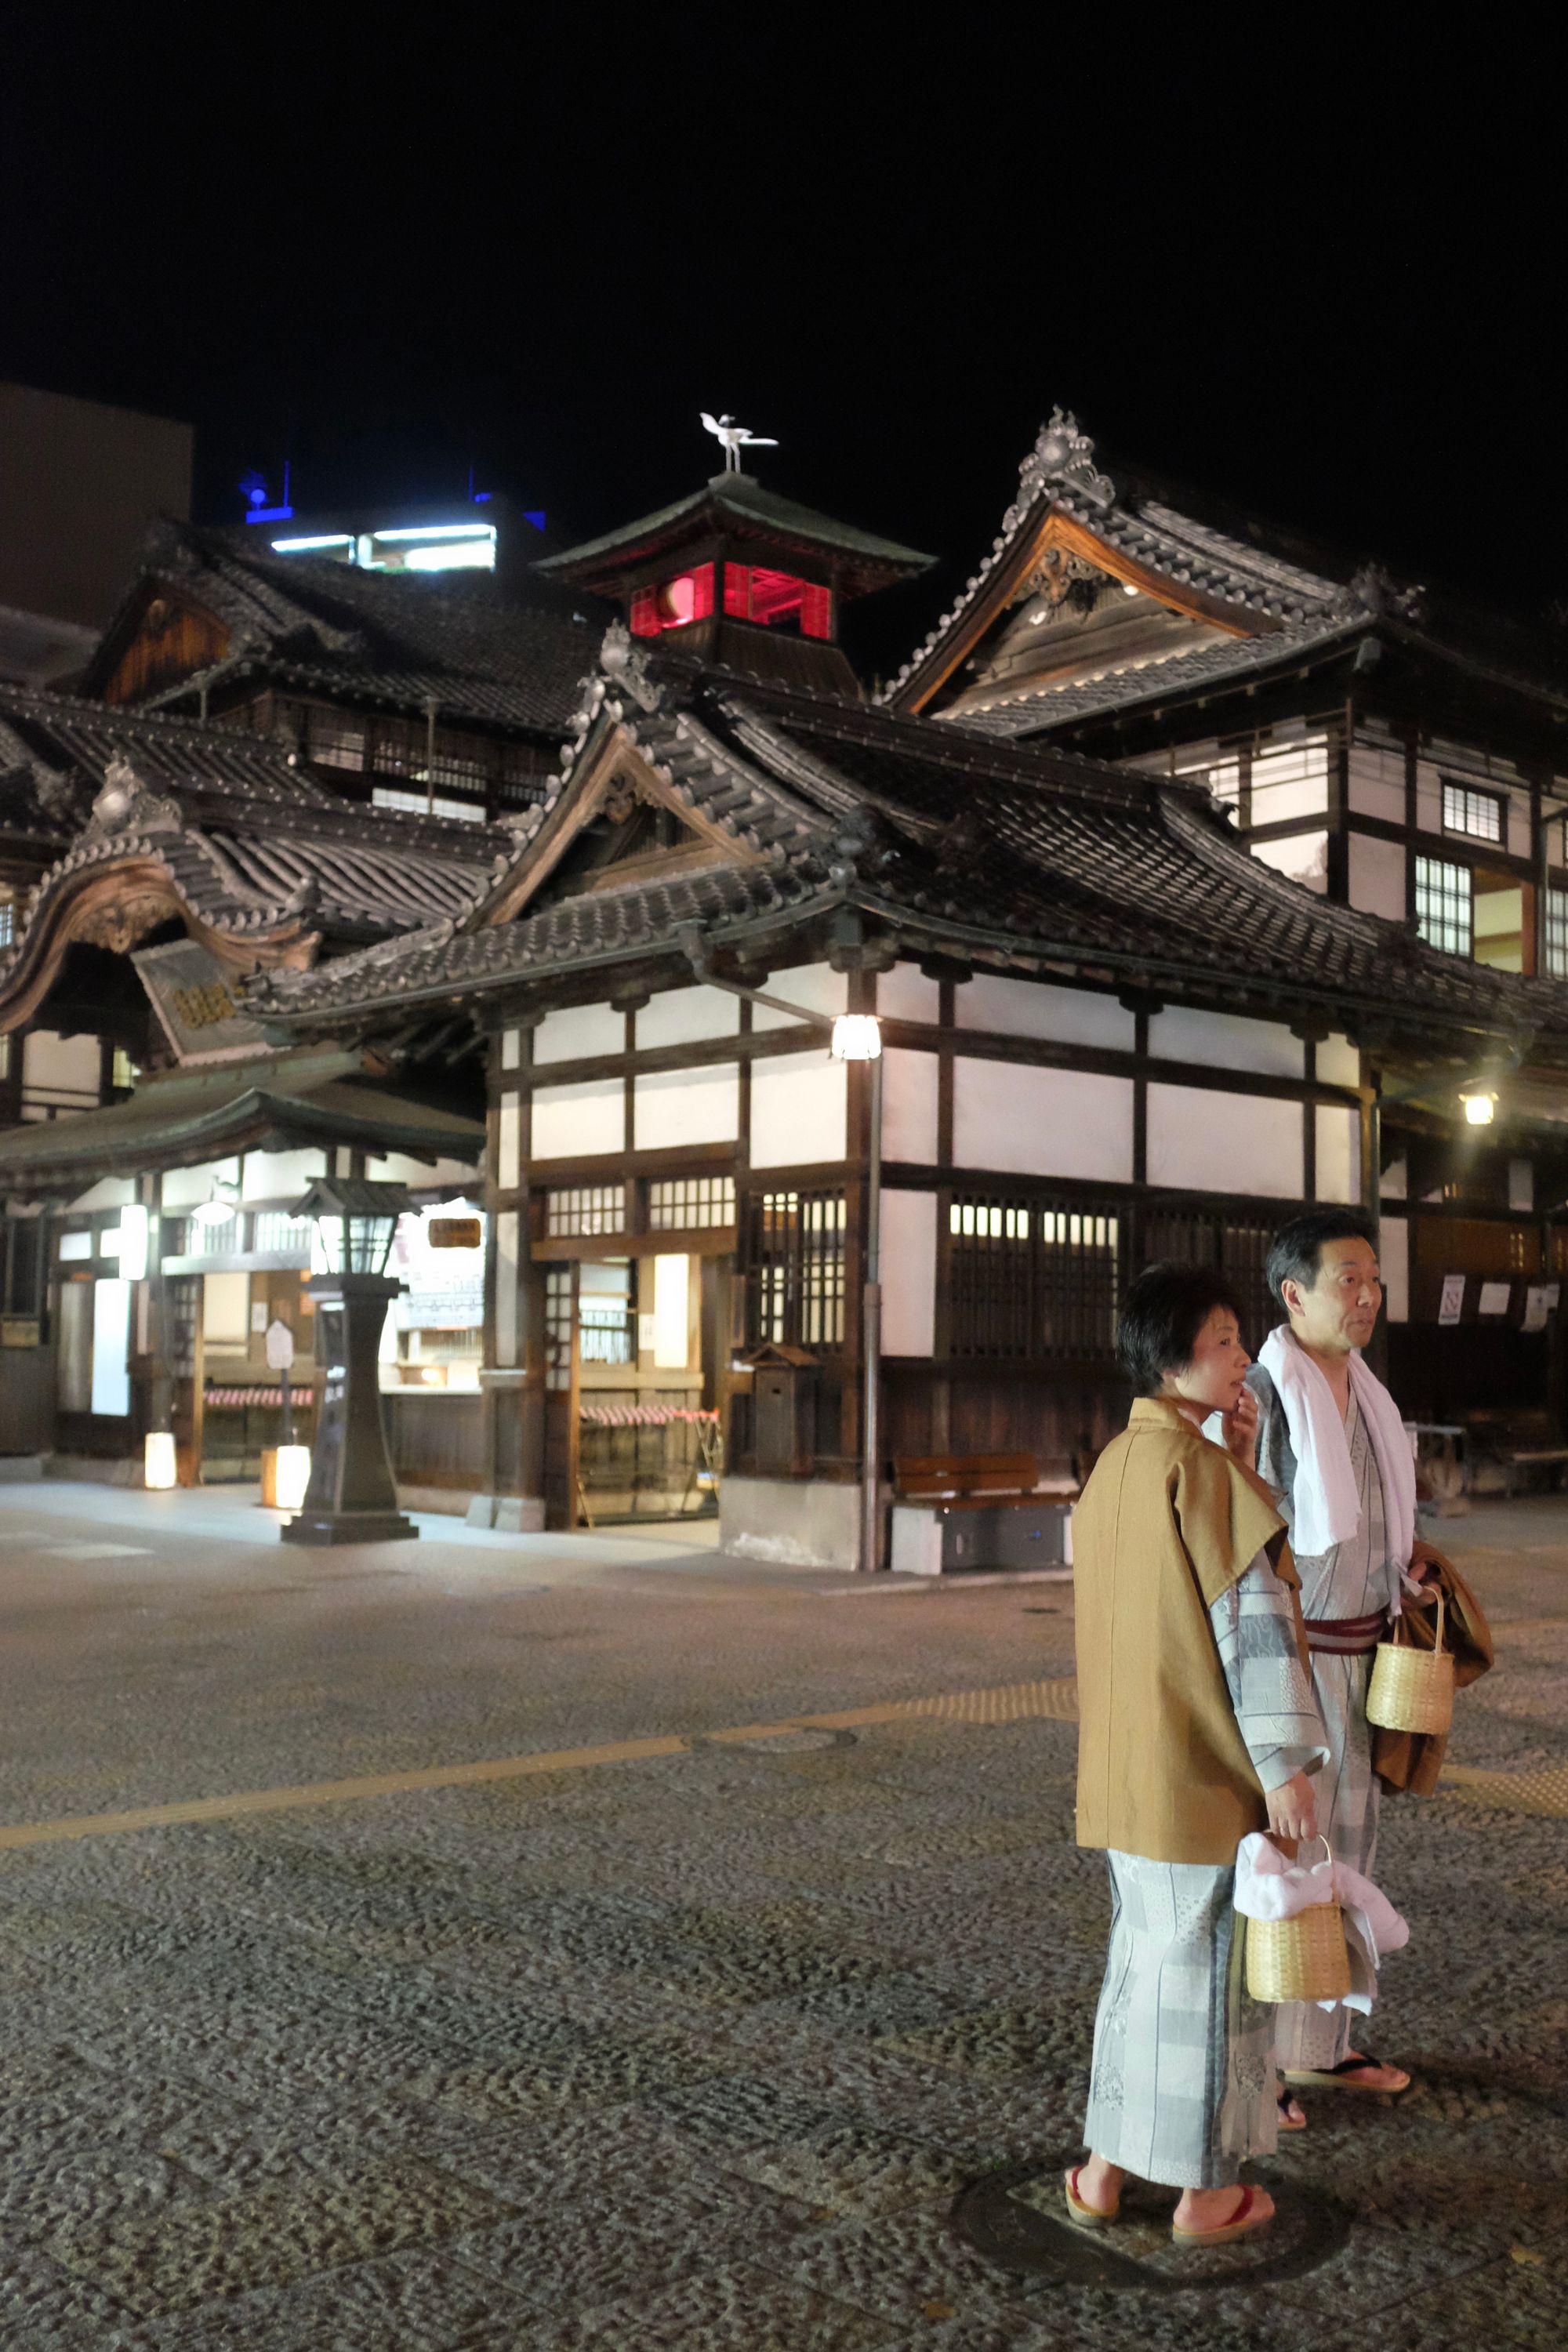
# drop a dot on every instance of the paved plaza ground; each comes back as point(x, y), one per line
point(594, 1943)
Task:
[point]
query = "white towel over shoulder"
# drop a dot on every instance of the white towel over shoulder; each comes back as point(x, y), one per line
point(1326, 1507)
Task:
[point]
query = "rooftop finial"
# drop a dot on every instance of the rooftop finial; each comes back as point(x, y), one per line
point(735, 438)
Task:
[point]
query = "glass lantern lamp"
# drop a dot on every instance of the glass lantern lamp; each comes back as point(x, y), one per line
point(352, 1496)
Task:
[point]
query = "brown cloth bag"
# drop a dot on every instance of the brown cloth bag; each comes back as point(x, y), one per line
point(1410, 1761)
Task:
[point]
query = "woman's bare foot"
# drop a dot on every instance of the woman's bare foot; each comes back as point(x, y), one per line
point(1099, 2185)
point(1213, 2208)
point(1292, 2114)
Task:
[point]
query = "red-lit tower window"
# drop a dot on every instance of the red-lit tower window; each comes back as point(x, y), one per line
point(673, 604)
point(768, 598)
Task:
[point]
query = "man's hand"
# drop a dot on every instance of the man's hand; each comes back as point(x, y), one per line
point(1293, 1809)
point(1423, 1560)
point(1239, 1428)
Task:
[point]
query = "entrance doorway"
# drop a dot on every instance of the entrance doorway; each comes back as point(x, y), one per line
point(632, 1417)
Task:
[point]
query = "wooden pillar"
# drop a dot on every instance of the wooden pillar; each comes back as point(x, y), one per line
point(512, 1377)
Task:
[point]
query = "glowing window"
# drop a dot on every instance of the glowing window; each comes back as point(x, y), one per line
point(674, 604)
point(1478, 814)
point(769, 598)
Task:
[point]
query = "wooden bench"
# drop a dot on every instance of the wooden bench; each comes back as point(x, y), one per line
point(970, 1482)
point(957, 1512)
point(1516, 1438)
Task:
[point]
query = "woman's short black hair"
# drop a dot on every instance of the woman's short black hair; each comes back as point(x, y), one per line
point(1161, 1316)
point(1296, 1252)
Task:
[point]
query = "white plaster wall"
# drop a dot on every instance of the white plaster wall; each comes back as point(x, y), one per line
point(1301, 858)
point(1226, 1041)
point(571, 1122)
point(512, 1049)
point(109, 1193)
point(908, 1273)
point(799, 1110)
point(683, 1016)
point(226, 1309)
point(1339, 1153)
point(1377, 877)
point(678, 1106)
point(1377, 781)
point(1033, 1122)
point(506, 1233)
point(1031, 1008)
point(816, 987)
point(578, 1031)
point(1339, 1062)
point(906, 994)
point(508, 1145)
point(274, 1175)
point(909, 1106)
point(185, 1187)
point(53, 1065)
point(1207, 1141)
point(400, 1168)
point(1395, 1257)
point(1519, 827)
point(1428, 797)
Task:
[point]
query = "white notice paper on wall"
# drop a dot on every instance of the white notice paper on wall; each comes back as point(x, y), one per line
point(1535, 1307)
point(1452, 1304)
point(1495, 1298)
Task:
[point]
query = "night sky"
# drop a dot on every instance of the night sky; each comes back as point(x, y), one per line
point(1327, 288)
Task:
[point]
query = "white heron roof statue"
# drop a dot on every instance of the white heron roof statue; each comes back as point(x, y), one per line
point(735, 438)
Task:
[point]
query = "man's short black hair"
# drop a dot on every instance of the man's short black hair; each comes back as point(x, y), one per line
point(1161, 1316)
point(1296, 1252)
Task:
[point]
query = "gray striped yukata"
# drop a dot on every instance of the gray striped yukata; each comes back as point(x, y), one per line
point(1181, 2089)
point(1352, 1580)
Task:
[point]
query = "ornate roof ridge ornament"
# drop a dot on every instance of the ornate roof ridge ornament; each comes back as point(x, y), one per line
point(627, 663)
point(1374, 589)
point(124, 804)
point(1063, 454)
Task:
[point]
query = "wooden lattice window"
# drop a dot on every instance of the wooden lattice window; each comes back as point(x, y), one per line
point(586, 1208)
point(1031, 1278)
point(793, 1261)
point(559, 1286)
point(682, 1203)
point(1239, 1249)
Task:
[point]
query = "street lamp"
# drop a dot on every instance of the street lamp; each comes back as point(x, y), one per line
point(858, 1038)
point(352, 1496)
point(1481, 1106)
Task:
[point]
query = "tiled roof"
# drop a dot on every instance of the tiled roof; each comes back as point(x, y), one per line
point(186, 1115)
point(396, 639)
point(739, 505)
point(1018, 855)
point(252, 850)
point(1219, 661)
point(1060, 472)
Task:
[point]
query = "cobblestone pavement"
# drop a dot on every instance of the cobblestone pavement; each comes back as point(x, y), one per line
point(761, 2043)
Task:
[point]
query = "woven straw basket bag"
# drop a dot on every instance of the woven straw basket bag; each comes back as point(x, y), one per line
point(1412, 1689)
point(1303, 1958)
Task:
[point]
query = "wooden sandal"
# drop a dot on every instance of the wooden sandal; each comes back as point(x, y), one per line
point(1339, 2078)
point(1241, 2224)
point(1087, 2217)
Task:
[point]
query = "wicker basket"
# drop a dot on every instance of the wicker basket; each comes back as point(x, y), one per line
point(1412, 1689)
point(1303, 1958)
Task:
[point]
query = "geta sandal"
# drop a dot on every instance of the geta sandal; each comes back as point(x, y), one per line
point(1241, 2224)
point(1088, 2217)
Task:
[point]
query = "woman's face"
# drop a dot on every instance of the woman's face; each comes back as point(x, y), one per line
point(1215, 1378)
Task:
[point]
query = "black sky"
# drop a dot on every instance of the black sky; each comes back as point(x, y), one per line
point(1321, 278)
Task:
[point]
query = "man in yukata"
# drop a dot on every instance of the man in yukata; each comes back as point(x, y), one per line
point(1331, 1447)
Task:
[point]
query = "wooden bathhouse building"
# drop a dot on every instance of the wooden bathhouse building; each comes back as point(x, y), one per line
point(1144, 865)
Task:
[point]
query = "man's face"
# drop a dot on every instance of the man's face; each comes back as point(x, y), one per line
point(1339, 1310)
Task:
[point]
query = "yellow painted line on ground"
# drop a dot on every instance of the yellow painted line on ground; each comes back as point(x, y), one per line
point(1008, 1703)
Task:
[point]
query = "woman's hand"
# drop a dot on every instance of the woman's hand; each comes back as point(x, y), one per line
point(1293, 1809)
point(1239, 1428)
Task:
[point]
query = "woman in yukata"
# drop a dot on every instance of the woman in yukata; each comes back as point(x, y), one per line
point(1199, 1725)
